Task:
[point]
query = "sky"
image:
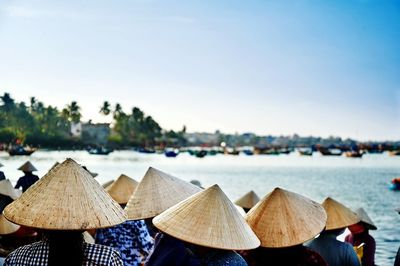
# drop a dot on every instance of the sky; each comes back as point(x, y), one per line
point(310, 67)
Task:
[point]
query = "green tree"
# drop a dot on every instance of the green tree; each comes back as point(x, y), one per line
point(72, 112)
point(105, 108)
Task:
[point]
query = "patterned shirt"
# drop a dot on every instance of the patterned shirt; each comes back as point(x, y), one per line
point(130, 238)
point(26, 181)
point(37, 254)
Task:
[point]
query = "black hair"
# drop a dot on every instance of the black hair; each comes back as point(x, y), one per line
point(65, 248)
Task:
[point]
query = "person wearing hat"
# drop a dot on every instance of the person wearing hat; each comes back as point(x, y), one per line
point(2, 176)
point(131, 238)
point(283, 221)
point(248, 201)
point(155, 193)
point(29, 178)
point(335, 252)
point(360, 236)
point(209, 226)
point(63, 204)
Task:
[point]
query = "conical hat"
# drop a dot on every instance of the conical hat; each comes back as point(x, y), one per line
point(66, 198)
point(27, 167)
point(107, 184)
point(283, 219)
point(339, 216)
point(208, 219)
point(7, 189)
point(157, 192)
point(248, 201)
point(7, 227)
point(121, 190)
point(362, 214)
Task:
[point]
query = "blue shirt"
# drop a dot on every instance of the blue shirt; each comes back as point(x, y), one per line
point(334, 252)
point(130, 238)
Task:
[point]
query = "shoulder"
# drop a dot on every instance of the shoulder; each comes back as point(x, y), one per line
point(102, 255)
point(22, 255)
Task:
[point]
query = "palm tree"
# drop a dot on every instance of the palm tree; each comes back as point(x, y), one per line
point(117, 111)
point(105, 108)
point(72, 112)
point(8, 102)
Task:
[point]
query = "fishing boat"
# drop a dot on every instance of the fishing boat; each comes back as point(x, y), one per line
point(100, 151)
point(146, 150)
point(305, 152)
point(394, 153)
point(330, 152)
point(353, 154)
point(200, 153)
point(20, 150)
point(395, 184)
point(171, 153)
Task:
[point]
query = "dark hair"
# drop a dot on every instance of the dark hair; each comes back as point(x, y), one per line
point(65, 248)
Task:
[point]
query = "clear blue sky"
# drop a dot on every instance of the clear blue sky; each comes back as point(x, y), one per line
point(269, 67)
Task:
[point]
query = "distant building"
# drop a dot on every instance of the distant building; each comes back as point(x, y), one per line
point(95, 133)
point(211, 139)
point(76, 129)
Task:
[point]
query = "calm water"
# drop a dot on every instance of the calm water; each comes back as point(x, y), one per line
point(354, 182)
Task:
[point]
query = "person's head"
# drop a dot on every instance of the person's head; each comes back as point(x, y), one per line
point(65, 247)
point(357, 228)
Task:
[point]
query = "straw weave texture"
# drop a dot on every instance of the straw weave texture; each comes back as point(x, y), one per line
point(157, 192)
point(121, 190)
point(208, 219)
point(7, 227)
point(66, 198)
point(248, 201)
point(283, 219)
point(339, 216)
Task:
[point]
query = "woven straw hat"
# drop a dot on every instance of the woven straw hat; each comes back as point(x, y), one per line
point(208, 219)
point(157, 192)
point(284, 218)
point(7, 227)
point(339, 216)
point(362, 214)
point(7, 189)
point(248, 201)
point(121, 190)
point(107, 184)
point(27, 167)
point(54, 165)
point(66, 198)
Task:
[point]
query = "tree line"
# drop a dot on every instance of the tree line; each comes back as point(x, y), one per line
point(43, 125)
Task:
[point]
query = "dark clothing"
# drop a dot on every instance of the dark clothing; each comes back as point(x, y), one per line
point(26, 181)
point(397, 260)
point(38, 254)
point(217, 257)
point(170, 251)
point(2, 176)
point(130, 238)
point(291, 256)
point(334, 252)
point(4, 201)
point(368, 258)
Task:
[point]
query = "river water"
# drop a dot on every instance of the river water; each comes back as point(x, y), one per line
point(353, 181)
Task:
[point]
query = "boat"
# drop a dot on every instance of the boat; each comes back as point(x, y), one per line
point(330, 152)
point(305, 152)
point(146, 150)
point(200, 153)
point(171, 153)
point(248, 152)
point(20, 150)
point(100, 151)
point(353, 154)
point(395, 184)
point(394, 153)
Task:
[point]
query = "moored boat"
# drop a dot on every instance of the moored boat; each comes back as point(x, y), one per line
point(354, 154)
point(20, 150)
point(100, 151)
